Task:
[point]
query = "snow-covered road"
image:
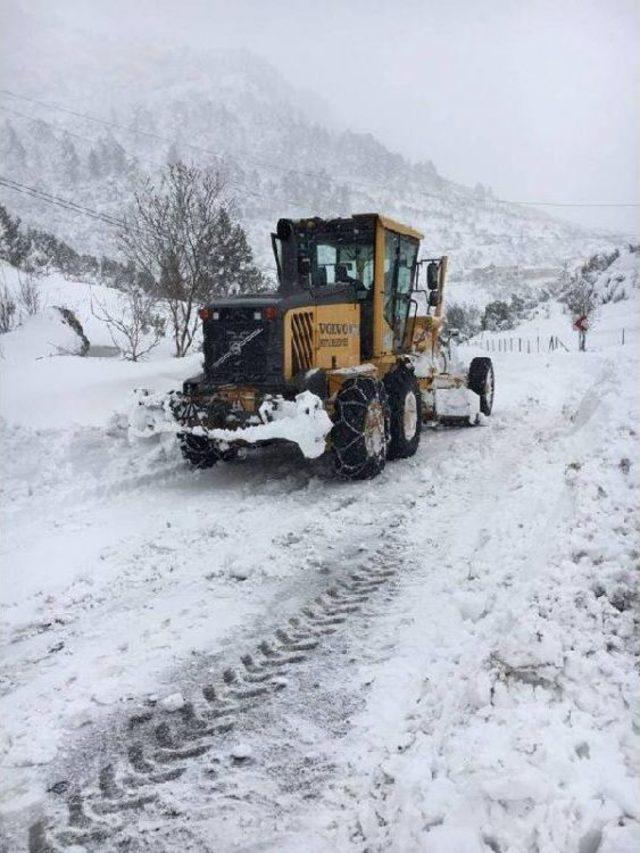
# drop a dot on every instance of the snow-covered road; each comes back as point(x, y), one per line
point(457, 675)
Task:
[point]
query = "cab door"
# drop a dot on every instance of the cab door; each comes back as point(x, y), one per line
point(401, 254)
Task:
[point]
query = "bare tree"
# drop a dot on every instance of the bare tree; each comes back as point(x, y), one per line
point(178, 233)
point(29, 294)
point(7, 310)
point(134, 326)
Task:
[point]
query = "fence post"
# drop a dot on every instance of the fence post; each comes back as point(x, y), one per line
point(623, 336)
point(538, 343)
point(519, 344)
point(510, 344)
point(528, 345)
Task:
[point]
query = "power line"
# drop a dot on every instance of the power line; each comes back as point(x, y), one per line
point(93, 139)
point(568, 203)
point(259, 162)
point(52, 199)
point(73, 207)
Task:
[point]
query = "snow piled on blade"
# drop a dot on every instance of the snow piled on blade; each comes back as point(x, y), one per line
point(302, 421)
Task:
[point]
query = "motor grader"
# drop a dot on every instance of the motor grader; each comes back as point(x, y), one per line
point(348, 356)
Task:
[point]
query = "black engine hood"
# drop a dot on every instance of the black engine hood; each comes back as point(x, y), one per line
point(259, 300)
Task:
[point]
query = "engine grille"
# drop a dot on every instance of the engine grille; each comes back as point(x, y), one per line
point(302, 341)
point(239, 352)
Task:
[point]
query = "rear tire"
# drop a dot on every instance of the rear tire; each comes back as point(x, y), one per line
point(405, 403)
point(361, 432)
point(481, 380)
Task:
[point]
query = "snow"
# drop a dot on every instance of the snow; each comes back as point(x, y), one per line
point(173, 702)
point(481, 701)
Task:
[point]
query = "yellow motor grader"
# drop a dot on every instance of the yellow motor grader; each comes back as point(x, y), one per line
point(347, 355)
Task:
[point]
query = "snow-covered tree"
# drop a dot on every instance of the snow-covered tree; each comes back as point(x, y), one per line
point(498, 316)
point(465, 318)
point(581, 298)
point(69, 160)
point(94, 168)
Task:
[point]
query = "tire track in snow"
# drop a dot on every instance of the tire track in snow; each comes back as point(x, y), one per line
point(158, 739)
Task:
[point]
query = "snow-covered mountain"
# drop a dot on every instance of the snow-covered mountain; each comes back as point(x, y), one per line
point(279, 146)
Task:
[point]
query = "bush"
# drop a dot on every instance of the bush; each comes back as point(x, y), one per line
point(465, 318)
point(7, 310)
point(29, 294)
point(499, 316)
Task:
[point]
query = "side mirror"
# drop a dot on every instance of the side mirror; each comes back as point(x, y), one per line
point(434, 298)
point(433, 278)
point(304, 265)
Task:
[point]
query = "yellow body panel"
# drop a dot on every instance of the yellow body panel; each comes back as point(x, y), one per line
point(321, 336)
point(425, 333)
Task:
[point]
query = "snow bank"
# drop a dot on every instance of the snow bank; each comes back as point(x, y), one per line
point(49, 333)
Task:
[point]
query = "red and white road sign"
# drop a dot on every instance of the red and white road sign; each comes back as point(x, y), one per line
point(581, 323)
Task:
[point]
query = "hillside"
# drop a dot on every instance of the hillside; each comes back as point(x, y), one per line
point(279, 148)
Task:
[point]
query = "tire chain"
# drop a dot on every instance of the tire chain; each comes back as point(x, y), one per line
point(160, 756)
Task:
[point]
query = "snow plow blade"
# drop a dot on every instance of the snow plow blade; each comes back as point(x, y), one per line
point(302, 421)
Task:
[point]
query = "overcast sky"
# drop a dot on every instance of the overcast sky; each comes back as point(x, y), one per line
point(540, 99)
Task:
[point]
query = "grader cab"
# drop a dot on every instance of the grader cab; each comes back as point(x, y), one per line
point(346, 356)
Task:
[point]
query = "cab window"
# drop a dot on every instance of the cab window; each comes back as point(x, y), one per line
point(343, 262)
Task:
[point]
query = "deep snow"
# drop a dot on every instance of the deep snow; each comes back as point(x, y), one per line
point(483, 701)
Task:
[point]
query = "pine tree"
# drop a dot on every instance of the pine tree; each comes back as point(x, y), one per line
point(69, 160)
point(12, 151)
point(14, 246)
point(173, 155)
point(94, 168)
point(231, 268)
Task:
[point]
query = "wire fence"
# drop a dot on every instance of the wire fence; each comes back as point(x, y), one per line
point(543, 343)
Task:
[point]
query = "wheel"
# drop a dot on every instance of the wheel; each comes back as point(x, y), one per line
point(201, 452)
point(405, 403)
point(481, 380)
point(361, 431)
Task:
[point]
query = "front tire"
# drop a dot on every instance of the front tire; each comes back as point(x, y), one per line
point(202, 453)
point(361, 432)
point(481, 380)
point(405, 403)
